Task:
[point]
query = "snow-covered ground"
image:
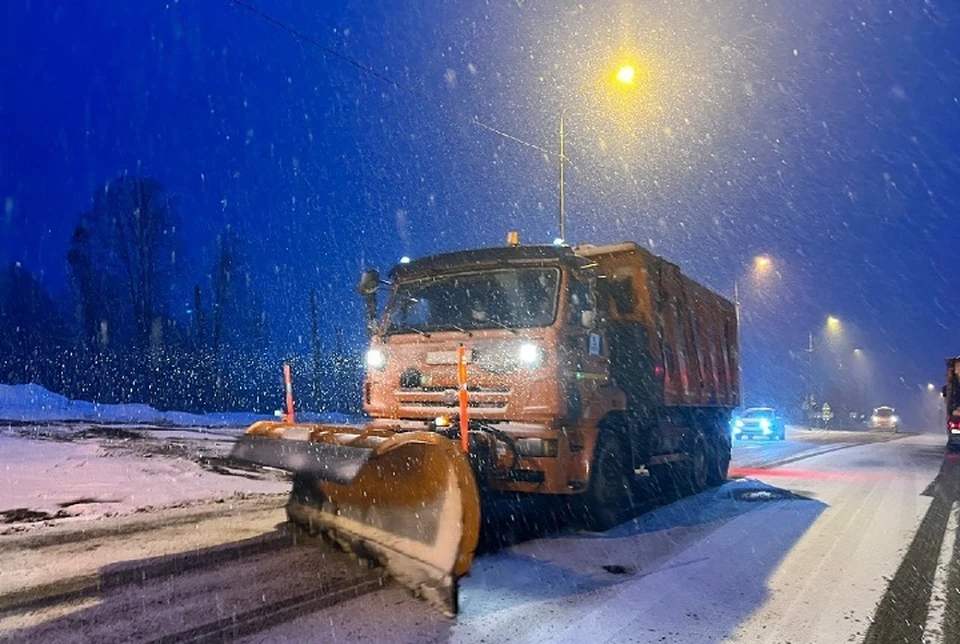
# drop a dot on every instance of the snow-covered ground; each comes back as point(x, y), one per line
point(63, 460)
point(42, 480)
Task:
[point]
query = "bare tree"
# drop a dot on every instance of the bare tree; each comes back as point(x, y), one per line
point(238, 320)
point(129, 236)
point(89, 304)
point(199, 330)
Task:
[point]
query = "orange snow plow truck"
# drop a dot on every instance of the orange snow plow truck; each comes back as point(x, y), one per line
point(543, 370)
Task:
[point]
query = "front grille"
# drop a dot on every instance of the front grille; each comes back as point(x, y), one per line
point(470, 388)
point(472, 404)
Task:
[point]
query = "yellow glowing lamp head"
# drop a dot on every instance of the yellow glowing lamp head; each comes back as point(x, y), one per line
point(442, 421)
point(627, 74)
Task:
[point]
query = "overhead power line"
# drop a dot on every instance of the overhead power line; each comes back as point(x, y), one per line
point(353, 62)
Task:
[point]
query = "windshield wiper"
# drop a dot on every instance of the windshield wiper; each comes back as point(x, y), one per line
point(503, 326)
point(448, 325)
point(403, 329)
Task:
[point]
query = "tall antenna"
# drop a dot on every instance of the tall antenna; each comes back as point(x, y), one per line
point(563, 160)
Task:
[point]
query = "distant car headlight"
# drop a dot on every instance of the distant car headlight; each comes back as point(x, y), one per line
point(739, 423)
point(894, 419)
point(376, 359)
point(764, 423)
point(874, 419)
point(530, 354)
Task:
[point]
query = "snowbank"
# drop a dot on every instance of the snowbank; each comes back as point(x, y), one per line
point(31, 403)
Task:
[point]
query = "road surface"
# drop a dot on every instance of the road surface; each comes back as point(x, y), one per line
point(824, 537)
point(799, 552)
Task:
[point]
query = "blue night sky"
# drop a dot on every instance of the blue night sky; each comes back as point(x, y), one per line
point(822, 133)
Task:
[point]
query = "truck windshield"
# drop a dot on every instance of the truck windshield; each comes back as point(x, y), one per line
point(512, 298)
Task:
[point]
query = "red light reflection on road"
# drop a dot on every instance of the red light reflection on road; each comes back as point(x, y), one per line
point(819, 475)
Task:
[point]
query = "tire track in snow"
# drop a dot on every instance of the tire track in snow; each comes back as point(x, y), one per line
point(950, 627)
point(902, 613)
point(939, 599)
point(839, 522)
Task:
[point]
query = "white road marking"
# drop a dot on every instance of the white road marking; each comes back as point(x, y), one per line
point(932, 633)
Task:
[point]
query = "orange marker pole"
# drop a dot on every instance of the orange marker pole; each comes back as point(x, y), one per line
point(288, 384)
point(462, 381)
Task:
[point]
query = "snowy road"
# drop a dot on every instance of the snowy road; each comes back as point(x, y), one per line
point(811, 535)
point(801, 552)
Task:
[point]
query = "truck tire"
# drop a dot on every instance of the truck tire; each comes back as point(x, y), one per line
point(699, 467)
point(610, 492)
point(718, 462)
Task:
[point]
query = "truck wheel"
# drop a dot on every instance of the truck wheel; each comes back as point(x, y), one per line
point(718, 462)
point(698, 468)
point(611, 487)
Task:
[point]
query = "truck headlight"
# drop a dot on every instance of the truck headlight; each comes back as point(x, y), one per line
point(376, 359)
point(530, 354)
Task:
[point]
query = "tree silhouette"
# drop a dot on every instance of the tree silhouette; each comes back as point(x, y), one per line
point(123, 255)
point(32, 329)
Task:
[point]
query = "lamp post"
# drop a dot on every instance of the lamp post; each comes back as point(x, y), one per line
point(834, 328)
point(760, 266)
point(563, 162)
point(625, 75)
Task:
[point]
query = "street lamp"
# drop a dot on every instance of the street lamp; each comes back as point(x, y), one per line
point(761, 264)
point(627, 74)
point(834, 327)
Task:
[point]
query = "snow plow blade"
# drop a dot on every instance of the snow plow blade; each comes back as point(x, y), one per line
point(321, 460)
point(407, 500)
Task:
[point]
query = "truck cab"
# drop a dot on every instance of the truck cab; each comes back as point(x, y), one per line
point(574, 355)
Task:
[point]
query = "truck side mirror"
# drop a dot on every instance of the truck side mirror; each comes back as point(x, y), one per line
point(369, 283)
